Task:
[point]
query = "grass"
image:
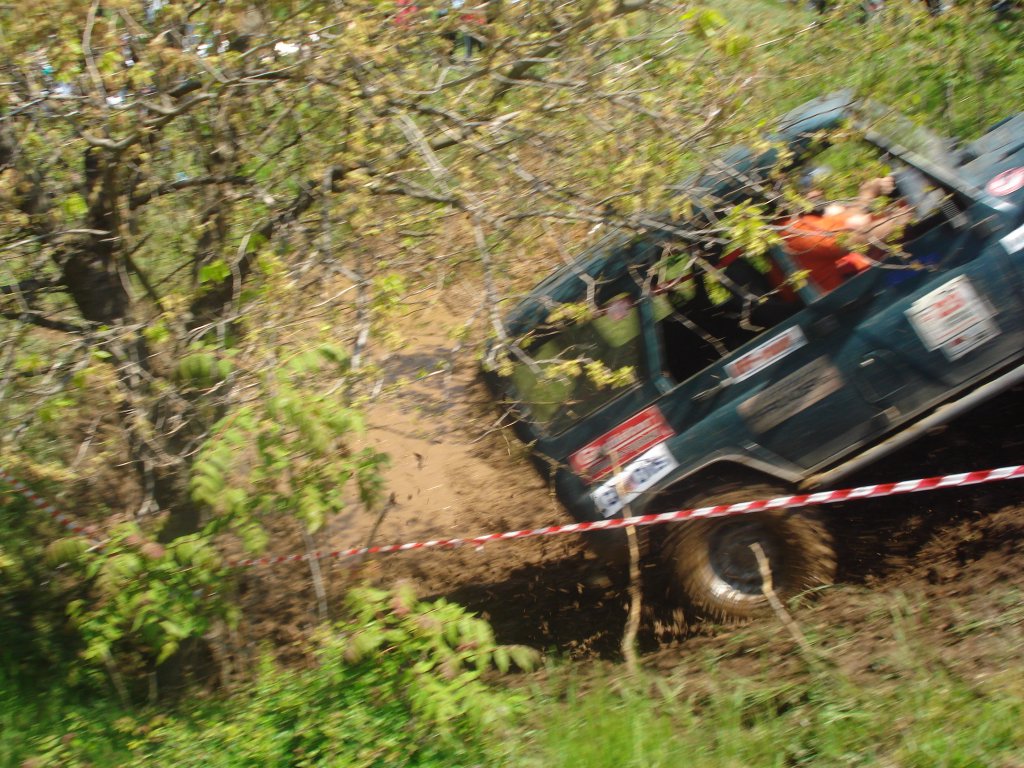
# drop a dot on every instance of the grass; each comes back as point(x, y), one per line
point(958, 73)
point(396, 683)
point(895, 689)
point(43, 727)
point(922, 718)
point(284, 718)
point(894, 685)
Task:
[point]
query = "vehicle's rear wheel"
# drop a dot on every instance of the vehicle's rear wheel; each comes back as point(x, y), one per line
point(712, 564)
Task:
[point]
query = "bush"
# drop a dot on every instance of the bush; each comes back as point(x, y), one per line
point(400, 682)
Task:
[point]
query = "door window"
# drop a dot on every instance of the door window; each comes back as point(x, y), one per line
point(713, 310)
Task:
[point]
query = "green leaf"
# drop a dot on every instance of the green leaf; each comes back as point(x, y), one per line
point(525, 658)
point(65, 550)
point(334, 354)
point(110, 62)
point(157, 332)
point(166, 651)
point(74, 206)
point(174, 630)
point(215, 272)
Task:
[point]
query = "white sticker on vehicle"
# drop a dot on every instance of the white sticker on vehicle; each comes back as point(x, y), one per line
point(1014, 241)
point(763, 355)
point(635, 478)
point(952, 318)
point(791, 394)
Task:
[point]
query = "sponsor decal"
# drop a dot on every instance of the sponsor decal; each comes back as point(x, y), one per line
point(791, 394)
point(763, 355)
point(1014, 241)
point(622, 444)
point(634, 479)
point(1006, 182)
point(952, 318)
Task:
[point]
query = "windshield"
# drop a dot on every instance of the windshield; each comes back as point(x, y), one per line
point(900, 135)
point(565, 373)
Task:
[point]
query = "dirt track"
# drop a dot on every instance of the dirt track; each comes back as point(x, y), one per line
point(454, 474)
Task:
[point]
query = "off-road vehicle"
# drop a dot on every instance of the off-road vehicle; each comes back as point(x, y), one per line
point(663, 369)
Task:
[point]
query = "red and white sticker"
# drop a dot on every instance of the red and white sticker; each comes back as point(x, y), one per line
point(952, 318)
point(763, 355)
point(1006, 182)
point(627, 441)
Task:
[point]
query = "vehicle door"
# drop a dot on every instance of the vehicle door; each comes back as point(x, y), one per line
point(903, 336)
point(777, 377)
point(952, 308)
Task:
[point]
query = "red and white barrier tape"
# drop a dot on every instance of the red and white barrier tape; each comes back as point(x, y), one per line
point(721, 510)
point(42, 505)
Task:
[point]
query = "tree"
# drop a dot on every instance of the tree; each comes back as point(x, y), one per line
point(178, 177)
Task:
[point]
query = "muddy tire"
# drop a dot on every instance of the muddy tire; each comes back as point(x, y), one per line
point(711, 565)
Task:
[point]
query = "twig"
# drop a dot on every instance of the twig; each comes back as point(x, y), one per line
point(635, 598)
point(116, 679)
point(635, 588)
point(90, 63)
point(373, 533)
point(317, 574)
point(776, 604)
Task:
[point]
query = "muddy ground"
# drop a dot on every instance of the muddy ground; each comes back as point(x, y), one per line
point(958, 554)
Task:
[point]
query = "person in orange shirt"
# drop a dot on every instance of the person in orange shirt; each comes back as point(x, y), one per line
point(822, 241)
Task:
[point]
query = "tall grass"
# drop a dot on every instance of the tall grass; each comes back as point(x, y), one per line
point(332, 715)
point(921, 718)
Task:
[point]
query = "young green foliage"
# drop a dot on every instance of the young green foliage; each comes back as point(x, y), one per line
point(288, 453)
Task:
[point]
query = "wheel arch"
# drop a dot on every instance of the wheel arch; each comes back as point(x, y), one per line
point(728, 470)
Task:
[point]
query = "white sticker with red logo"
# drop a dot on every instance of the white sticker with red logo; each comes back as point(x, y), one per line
point(1006, 182)
point(763, 355)
point(627, 441)
point(634, 479)
point(952, 318)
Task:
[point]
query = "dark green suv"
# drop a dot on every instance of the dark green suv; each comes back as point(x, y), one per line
point(660, 371)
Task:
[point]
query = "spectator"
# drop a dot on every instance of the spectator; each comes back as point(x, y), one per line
point(406, 10)
point(465, 41)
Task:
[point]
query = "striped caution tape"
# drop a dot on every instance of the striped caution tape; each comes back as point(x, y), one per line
point(721, 510)
point(43, 505)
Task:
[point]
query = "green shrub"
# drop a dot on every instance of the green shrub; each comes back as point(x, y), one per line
point(400, 682)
